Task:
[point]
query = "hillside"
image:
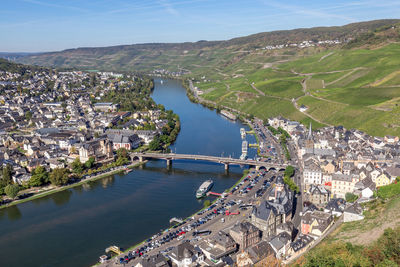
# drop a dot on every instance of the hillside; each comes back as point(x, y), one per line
point(353, 82)
point(9, 66)
point(373, 241)
point(191, 55)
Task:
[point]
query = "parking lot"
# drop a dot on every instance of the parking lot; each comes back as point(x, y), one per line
point(270, 149)
point(222, 214)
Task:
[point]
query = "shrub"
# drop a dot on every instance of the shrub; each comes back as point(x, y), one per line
point(350, 197)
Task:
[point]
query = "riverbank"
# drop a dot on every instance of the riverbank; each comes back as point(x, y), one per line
point(106, 211)
point(195, 98)
point(62, 188)
point(134, 247)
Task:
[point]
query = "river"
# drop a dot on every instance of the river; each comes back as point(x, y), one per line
point(73, 227)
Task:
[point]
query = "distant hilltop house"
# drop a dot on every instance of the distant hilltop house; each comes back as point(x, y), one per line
point(105, 106)
point(391, 139)
point(303, 108)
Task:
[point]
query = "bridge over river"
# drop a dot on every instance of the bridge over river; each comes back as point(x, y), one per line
point(226, 161)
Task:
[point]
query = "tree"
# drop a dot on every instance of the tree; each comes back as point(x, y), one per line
point(28, 115)
point(122, 153)
point(155, 144)
point(77, 166)
point(7, 172)
point(289, 171)
point(90, 163)
point(350, 197)
point(121, 161)
point(59, 176)
point(11, 190)
point(5, 177)
point(39, 177)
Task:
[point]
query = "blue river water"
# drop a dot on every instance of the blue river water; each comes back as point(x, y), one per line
point(73, 227)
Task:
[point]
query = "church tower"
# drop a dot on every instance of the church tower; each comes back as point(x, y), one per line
point(310, 139)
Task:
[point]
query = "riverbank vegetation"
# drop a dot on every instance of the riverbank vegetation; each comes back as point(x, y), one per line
point(58, 177)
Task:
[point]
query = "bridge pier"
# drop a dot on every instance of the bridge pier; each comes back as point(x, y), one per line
point(169, 162)
point(140, 159)
point(257, 168)
point(226, 166)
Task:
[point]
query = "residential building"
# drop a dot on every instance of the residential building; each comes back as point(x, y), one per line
point(315, 223)
point(342, 184)
point(318, 195)
point(218, 246)
point(353, 213)
point(254, 254)
point(185, 255)
point(312, 173)
point(280, 244)
point(245, 234)
point(157, 260)
point(300, 245)
point(383, 179)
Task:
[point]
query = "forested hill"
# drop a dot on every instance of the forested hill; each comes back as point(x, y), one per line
point(189, 55)
point(9, 66)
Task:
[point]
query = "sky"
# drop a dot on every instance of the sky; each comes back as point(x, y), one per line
point(53, 25)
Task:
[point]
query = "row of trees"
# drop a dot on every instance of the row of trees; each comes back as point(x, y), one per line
point(78, 167)
point(283, 136)
point(287, 179)
point(40, 176)
point(5, 177)
point(59, 176)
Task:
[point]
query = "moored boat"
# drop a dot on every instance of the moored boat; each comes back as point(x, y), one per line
point(204, 188)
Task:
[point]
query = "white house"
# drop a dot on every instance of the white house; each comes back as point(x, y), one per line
point(185, 255)
point(353, 213)
point(312, 173)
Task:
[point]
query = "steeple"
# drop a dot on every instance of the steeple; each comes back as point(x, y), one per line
point(310, 139)
point(310, 136)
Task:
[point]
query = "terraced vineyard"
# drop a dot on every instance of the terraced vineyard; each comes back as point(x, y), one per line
point(354, 88)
